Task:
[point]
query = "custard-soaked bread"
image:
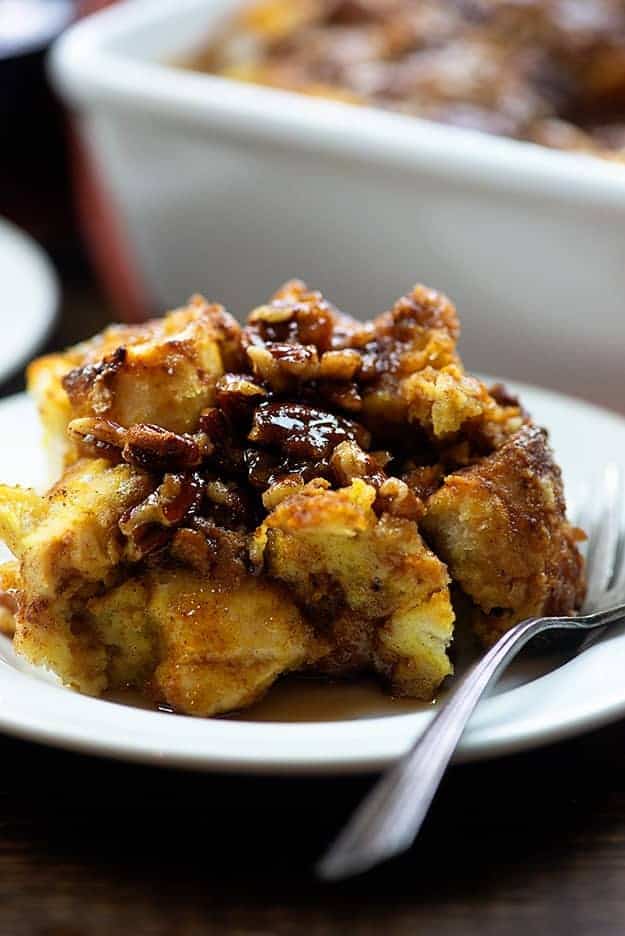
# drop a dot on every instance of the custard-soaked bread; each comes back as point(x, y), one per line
point(370, 582)
point(203, 644)
point(163, 372)
point(295, 494)
point(500, 526)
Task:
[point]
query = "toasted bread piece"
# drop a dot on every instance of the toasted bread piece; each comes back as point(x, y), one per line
point(162, 372)
point(500, 525)
point(204, 646)
point(372, 586)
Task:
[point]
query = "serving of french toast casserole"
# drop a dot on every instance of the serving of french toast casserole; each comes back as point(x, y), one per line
point(303, 493)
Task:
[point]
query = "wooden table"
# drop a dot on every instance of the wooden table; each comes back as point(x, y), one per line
point(532, 844)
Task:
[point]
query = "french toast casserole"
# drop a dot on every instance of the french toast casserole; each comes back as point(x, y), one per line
point(304, 493)
point(547, 71)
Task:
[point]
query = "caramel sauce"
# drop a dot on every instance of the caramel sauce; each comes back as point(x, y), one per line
point(298, 699)
point(309, 699)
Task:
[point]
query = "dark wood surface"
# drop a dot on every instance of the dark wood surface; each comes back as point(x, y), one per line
point(528, 844)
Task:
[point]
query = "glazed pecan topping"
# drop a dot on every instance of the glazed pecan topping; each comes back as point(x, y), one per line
point(236, 395)
point(147, 525)
point(349, 461)
point(156, 449)
point(303, 431)
point(229, 505)
point(282, 422)
point(396, 498)
point(149, 447)
point(98, 437)
point(425, 480)
point(296, 315)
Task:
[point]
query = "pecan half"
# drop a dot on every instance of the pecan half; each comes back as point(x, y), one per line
point(145, 446)
point(303, 431)
point(146, 526)
point(237, 395)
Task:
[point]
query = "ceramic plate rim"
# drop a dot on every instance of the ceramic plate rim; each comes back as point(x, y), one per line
point(39, 296)
point(515, 720)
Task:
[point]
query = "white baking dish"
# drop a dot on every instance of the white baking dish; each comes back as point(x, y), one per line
point(229, 188)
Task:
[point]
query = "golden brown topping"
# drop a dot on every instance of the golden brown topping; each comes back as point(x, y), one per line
point(501, 527)
point(93, 381)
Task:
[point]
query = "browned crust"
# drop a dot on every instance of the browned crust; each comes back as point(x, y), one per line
point(501, 527)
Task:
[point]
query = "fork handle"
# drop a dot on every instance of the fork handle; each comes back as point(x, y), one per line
point(390, 816)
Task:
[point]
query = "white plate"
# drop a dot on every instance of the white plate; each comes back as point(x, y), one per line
point(29, 298)
point(582, 693)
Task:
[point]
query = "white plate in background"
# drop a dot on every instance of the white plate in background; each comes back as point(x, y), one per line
point(555, 700)
point(29, 298)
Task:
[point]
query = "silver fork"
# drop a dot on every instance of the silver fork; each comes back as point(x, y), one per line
point(389, 818)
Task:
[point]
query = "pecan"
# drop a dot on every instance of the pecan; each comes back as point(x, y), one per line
point(261, 467)
point(156, 449)
point(339, 365)
point(271, 315)
point(213, 422)
point(277, 492)
point(236, 395)
point(146, 525)
point(147, 539)
point(303, 431)
point(295, 315)
point(351, 12)
point(229, 504)
point(345, 396)
point(503, 396)
point(144, 446)
point(425, 480)
point(348, 461)
point(98, 437)
point(266, 367)
point(395, 497)
point(281, 364)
